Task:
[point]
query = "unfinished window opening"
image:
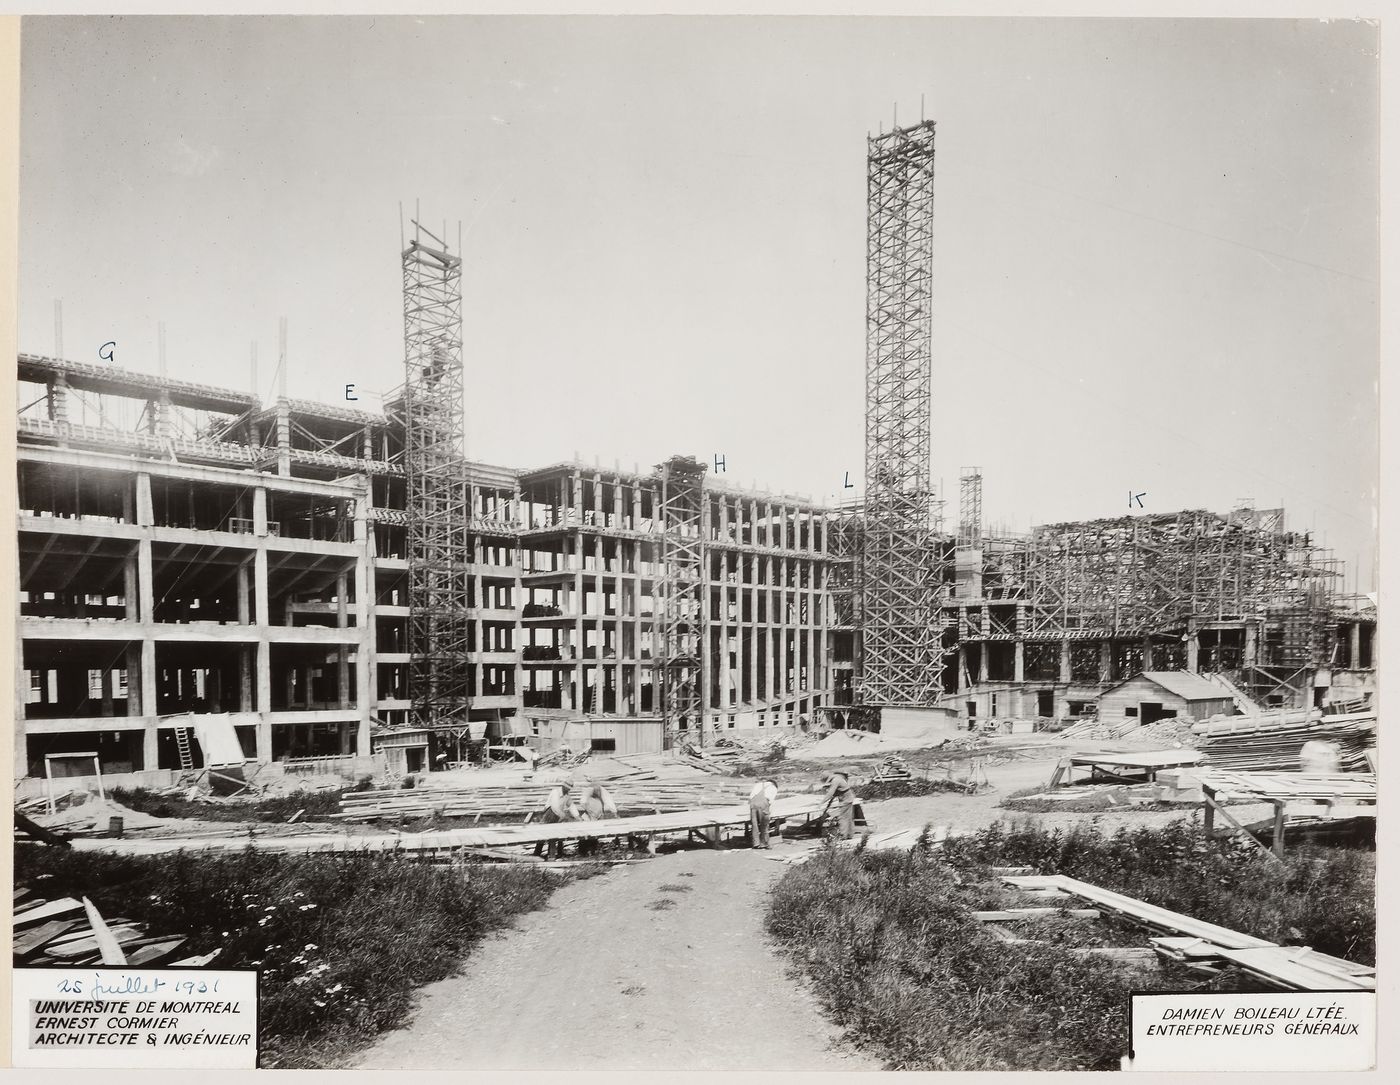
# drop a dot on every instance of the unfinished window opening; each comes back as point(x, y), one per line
point(80, 679)
point(312, 677)
point(69, 576)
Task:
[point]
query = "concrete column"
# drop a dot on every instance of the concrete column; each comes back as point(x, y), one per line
point(1105, 661)
point(263, 662)
point(1251, 644)
point(284, 438)
point(750, 588)
point(243, 577)
point(1193, 645)
point(1066, 672)
point(1147, 652)
point(246, 691)
point(134, 704)
point(131, 589)
point(983, 663)
point(149, 747)
point(145, 515)
point(107, 708)
point(1354, 646)
point(1019, 674)
point(145, 580)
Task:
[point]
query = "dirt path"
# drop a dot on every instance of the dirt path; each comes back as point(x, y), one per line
point(609, 977)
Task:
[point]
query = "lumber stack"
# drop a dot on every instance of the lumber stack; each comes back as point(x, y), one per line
point(67, 932)
point(1273, 741)
point(640, 791)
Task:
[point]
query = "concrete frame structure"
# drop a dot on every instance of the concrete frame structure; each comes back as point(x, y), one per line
point(200, 551)
point(1047, 621)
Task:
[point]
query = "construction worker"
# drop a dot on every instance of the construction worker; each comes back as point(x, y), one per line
point(597, 804)
point(839, 791)
point(558, 807)
point(761, 810)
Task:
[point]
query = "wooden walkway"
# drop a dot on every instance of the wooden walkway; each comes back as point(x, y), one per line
point(1206, 946)
point(712, 820)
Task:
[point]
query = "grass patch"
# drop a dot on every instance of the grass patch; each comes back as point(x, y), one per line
point(341, 942)
point(893, 952)
point(897, 959)
point(875, 790)
point(1321, 897)
point(665, 904)
point(673, 887)
point(316, 804)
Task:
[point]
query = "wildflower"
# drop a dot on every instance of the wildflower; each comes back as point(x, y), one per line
point(299, 980)
point(337, 988)
point(312, 945)
point(306, 907)
point(264, 921)
point(318, 1002)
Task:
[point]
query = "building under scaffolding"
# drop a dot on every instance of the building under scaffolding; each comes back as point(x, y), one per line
point(1045, 621)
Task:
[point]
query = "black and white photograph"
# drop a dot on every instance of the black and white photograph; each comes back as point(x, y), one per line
point(696, 542)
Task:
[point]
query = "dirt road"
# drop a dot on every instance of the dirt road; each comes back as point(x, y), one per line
point(658, 965)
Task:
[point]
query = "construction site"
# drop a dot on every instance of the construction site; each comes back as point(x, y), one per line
point(224, 600)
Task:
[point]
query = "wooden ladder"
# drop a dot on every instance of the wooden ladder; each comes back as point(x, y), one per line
point(182, 743)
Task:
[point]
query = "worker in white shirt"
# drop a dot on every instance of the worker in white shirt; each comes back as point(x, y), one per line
point(761, 811)
point(598, 804)
point(558, 807)
point(839, 791)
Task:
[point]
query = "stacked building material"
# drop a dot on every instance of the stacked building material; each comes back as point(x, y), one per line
point(66, 932)
point(1274, 741)
point(638, 791)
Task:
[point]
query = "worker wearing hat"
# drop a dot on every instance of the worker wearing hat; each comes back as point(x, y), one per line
point(839, 791)
point(557, 808)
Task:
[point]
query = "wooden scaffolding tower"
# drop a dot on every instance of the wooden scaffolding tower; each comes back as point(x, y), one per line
point(439, 592)
point(899, 652)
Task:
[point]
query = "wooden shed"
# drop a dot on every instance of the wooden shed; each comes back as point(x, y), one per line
point(1158, 695)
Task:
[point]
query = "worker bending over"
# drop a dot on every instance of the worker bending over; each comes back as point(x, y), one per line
point(839, 791)
point(558, 807)
point(598, 804)
point(761, 811)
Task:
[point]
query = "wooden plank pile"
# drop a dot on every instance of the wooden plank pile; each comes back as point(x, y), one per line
point(657, 788)
point(1209, 948)
point(67, 932)
point(1273, 741)
point(640, 790)
point(427, 845)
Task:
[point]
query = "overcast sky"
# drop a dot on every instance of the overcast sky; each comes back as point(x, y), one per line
point(1155, 253)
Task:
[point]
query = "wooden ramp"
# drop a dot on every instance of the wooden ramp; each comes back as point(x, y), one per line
point(711, 819)
point(1206, 946)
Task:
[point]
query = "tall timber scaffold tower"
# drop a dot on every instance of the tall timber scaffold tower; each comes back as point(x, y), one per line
point(900, 651)
point(439, 586)
point(970, 508)
point(683, 609)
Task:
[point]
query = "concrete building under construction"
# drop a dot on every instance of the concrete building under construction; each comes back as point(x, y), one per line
point(331, 582)
point(219, 555)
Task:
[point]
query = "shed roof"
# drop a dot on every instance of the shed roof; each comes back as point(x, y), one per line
point(1187, 685)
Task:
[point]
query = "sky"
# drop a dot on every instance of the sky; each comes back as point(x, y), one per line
point(1155, 252)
